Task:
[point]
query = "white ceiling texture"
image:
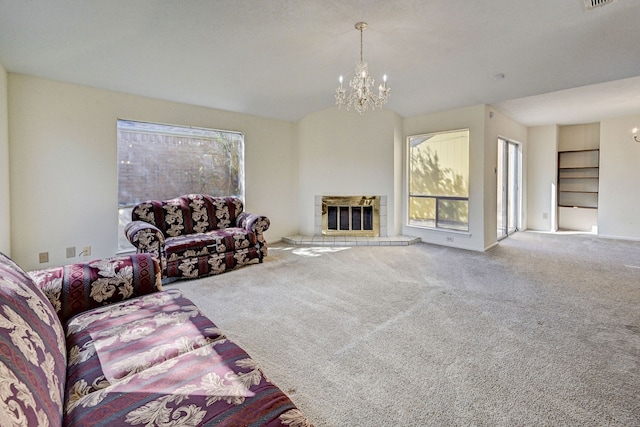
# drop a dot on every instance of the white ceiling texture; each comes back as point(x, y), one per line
point(281, 58)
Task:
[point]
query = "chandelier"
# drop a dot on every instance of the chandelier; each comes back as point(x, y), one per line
point(361, 98)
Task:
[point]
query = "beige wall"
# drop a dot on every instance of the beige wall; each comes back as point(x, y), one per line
point(64, 174)
point(5, 219)
point(485, 126)
point(344, 153)
point(619, 197)
point(579, 137)
point(398, 176)
point(58, 176)
point(472, 118)
point(618, 213)
point(542, 161)
point(500, 126)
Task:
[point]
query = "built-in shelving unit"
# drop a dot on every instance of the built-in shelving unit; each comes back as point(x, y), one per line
point(578, 178)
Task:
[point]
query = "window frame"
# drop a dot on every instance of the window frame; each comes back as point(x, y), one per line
point(184, 133)
point(439, 223)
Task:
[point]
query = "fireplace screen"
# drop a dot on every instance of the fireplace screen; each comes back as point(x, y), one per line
point(351, 216)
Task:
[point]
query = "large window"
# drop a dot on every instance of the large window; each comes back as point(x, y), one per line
point(159, 162)
point(439, 180)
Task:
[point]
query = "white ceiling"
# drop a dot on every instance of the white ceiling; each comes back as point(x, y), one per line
point(282, 58)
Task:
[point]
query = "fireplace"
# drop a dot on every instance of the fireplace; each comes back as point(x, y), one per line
point(351, 216)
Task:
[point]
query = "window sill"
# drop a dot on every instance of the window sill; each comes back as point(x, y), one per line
point(440, 230)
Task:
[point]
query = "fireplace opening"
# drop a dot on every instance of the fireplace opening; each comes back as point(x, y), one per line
point(351, 216)
point(356, 218)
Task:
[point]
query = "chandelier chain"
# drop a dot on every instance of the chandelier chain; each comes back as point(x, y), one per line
point(361, 44)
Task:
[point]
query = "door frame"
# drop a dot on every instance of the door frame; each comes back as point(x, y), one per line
point(509, 218)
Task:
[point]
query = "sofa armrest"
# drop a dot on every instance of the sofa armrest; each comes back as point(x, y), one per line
point(75, 288)
point(144, 236)
point(147, 238)
point(256, 223)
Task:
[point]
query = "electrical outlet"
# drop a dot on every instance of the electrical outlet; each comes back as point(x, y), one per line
point(86, 251)
point(43, 257)
point(71, 252)
point(449, 239)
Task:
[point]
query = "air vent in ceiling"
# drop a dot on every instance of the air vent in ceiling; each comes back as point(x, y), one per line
point(591, 4)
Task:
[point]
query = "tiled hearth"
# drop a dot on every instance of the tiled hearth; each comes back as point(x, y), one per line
point(322, 238)
point(350, 241)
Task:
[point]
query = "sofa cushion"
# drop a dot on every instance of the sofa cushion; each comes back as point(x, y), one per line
point(216, 241)
point(75, 288)
point(193, 213)
point(202, 263)
point(109, 344)
point(157, 360)
point(32, 352)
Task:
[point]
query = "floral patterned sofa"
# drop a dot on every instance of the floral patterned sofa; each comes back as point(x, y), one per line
point(98, 344)
point(196, 235)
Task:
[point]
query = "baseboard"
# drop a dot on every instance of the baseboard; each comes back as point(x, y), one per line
point(630, 239)
point(491, 246)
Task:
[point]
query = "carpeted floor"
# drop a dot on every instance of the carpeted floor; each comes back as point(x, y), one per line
point(543, 329)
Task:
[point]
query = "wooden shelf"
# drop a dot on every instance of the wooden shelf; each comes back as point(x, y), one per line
point(578, 178)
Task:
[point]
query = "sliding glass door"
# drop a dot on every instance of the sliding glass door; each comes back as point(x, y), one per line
point(508, 172)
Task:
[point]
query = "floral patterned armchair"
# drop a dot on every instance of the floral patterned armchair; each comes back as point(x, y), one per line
point(98, 344)
point(196, 235)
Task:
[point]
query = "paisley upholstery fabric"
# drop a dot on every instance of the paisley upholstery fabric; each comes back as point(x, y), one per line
point(196, 235)
point(193, 264)
point(193, 213)
point(32, 352)
point(157, 360)
point(152, 360)
point(75, 288)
